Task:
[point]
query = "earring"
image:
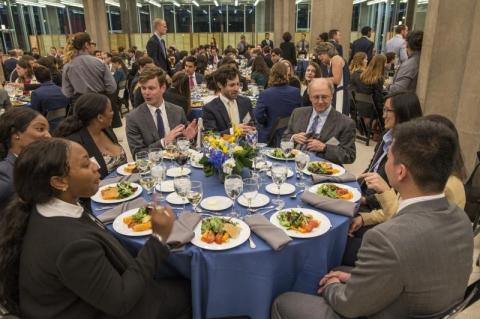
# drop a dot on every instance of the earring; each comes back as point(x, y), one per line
point(17, 137)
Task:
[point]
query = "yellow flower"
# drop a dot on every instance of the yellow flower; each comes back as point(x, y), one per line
point(238, 149)
point(231, 139)
point(225, 149)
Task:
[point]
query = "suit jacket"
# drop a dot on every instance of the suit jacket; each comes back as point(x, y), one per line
point(141, 130)
point(154, 50)
point(199, 78)
point(274, 103)
point(415, 265)
point(84, 138)
point(81, 271)
point(49, 97)
point(264, 43)
point(362, 45)
point(306, 46)
point(288, 52)
point(336, 125)
point(337, 46)
point(172, 96)
point(406, 77)
point(215, 115)
point(6, 181)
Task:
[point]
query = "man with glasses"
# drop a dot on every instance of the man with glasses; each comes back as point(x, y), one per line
point(320, 128)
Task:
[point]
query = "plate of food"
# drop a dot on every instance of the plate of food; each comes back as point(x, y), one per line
point(127, 169)
point(197, 103)
point(220, 233)
point(279, 154)
point(301, 222)
point(117, 193)
point(324, 168)
point(336, 191)
point(133, 222)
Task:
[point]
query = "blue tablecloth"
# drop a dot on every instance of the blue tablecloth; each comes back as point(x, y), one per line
point(245, 281)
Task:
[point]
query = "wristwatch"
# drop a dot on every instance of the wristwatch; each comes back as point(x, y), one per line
point(158, 237)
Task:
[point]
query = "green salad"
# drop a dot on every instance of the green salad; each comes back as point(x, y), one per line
point(293, 219)
point(277, 152)
point(125, 189)
point(140, 215)
point(215, 224)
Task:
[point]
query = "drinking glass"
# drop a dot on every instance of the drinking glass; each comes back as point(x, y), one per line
point(154, 155)
point(301, 161)
point(252, 138)
point(287, 146)
point(148, 182)
point(183, 144)
point(279, 176)
point(160, 173)
point(195, 195)
point(182, 185)
point(259, 166)
point(233, 189)
point(250, 190)
point(181, 158)
point(170, 149)
point(141, 158)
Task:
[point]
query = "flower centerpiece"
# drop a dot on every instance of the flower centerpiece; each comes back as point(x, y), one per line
point(226, 154)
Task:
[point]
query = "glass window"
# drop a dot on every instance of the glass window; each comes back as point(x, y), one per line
point(27, 20)
point(183, 19)
point(144, 19)
point(62, 20)
point(355, 18)
point(249, 18)
point(200, 19)
point(4, 17)
point(218, 18)
point(303, 17)
point(169, 16)
point(113, 17)
point(236, 16)
point(38, 21)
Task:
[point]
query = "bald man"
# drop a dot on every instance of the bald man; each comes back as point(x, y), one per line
point(320, 128)
point(156, 48)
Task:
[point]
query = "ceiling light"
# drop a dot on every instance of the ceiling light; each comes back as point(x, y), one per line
point(256, 2)
point(72, 4)
point(176, 3)
point(216, 2)
point(236, 3)
point(31, 3)
point(298, 1)
point(195, 3)
point(155, 3)
point(52, 4)
point(112, 3)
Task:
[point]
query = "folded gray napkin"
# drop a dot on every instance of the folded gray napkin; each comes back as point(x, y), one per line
point(182, 231)
point(345, 178)
point(134, 178)
point(108, 216)
point(337, 206)
point(273, 235)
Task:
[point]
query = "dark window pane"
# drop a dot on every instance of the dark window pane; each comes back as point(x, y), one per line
point(144, 19)
point(218, 18)
point(76, 19)
point(236, 18)
point(36, 18)
point(355, 17)
point(27, 20)
point(183, 19)
point(169, 16)
point(303, 16)
point(114, 23)
point(200, 19)
point(62, 20)
point(249, 18)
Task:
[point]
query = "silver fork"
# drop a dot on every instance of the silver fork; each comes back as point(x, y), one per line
point(254, 210)
point(278, 207)
point(296, 194)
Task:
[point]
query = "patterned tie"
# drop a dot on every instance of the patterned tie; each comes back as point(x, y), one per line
point(303, 45)
point(190, 81)
point(313, 127)
point(160, 127)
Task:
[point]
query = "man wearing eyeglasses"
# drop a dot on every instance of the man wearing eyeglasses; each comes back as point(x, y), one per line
point(320, 128)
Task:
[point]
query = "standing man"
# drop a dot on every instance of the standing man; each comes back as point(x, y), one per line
point(363, 44)
point(242, 45)
point(156, 48)
point(303, 45)
point(398, 44)
point(334, 36)
point(267, 42)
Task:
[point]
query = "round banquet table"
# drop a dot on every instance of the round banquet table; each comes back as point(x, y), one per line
point(245, 281)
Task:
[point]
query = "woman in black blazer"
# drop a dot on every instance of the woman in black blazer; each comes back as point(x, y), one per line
point(58, 261)
point(288, 49)
point(90, 127)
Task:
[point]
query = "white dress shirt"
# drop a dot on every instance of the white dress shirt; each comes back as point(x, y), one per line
point(415, 200)
point(321, 119)
point(153, 111)
point(58, 208)
point(232, 109)
point(398, 45)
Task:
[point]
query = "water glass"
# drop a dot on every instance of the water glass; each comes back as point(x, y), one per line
point(155, 155)
point(195, 195)
point(233, 189)
point(279, 176)
point(182, 185)
point(287, 146)
point(252, 138)
point(301, 161)
point(250, 190)
point(148, 183)
point(141, 158)
point(160, 173)
point(183, 144)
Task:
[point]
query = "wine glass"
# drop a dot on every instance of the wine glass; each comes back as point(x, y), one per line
point(182, 185)
point(195, 195)
point(148, 182)
point(259, 165)
point(233, 189)
point(250, 190)
point(141, 158)
point(301, 161)
point(183, 144)
point(154, 155)
point(170, 150)
point(252, 138)
point(181, 158)
point(160, 173)
point(287, 146)
point(279, 176)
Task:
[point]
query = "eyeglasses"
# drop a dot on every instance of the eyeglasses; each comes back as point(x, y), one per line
point(321, 97)
point(385, 110)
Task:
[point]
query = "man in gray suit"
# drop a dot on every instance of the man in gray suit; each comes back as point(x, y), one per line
point(415, 265)
point(320, 128)
point(156, 122)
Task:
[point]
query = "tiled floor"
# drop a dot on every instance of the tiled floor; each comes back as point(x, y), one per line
point(364, 154)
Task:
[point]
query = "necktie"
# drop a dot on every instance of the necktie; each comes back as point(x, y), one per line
point(190, 81)
point(231, 113)
point(313, 127)
point(160, 127)
point(303, 45)
point(164, 51)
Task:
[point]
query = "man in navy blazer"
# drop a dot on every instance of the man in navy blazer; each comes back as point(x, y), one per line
point(190, 68)
point(229, 108)
point(156, 48)
point(363, 44)
point(48, 99)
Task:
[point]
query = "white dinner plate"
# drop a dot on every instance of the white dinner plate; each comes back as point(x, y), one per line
point(120, 227)
point(177, 171)
point(196, 164)
point(121, 171)
point(355, 192)
point(233, 242)
point(259, 201)
point(175, 199)
point(290, 173)
point(167, 187)
point(285, 189)
point(340, 169)
point(324, 226)
point(98, 196)
point(269, 154)
point(216, 203)
point(267, 165)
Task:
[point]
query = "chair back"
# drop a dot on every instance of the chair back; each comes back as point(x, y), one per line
point(365, 106)
point(471, 295)
point(280, 124)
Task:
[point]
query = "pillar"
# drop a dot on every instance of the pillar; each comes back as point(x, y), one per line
point(96, 23)
point(284, 20)
point(448, 76)
point(332, 14)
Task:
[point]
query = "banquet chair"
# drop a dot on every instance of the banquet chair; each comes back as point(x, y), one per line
point(472, 192)
point(366, 114)
point(278, 127)
point(472, 295)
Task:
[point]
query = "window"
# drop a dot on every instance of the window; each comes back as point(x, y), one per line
point(169, 16)
point(144, 19)
point(38, 20)
point(200, 19)
point(236, 16)
point(27, 20)
point(77, 20)
point(303, 17)
point(183, 19)
point(249, 18)
point(218, 18)
point(62, 20)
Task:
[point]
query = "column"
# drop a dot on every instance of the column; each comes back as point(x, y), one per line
point(332, 14)
point(128, 15)
point(448, 76)
point(284, 13)
point(96, 23)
